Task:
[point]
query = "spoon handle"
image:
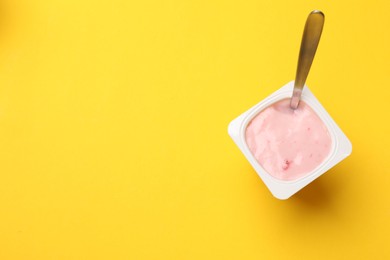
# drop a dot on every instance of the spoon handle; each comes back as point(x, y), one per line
point(310, 39)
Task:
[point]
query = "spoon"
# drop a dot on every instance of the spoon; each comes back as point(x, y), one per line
point(310, 39)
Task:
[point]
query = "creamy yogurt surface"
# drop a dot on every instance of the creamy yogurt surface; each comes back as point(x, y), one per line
point(289, 144)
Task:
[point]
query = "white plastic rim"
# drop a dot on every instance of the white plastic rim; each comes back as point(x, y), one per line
point(341, 146)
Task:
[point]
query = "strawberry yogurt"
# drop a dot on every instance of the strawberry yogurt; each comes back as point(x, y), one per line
point(288, 144)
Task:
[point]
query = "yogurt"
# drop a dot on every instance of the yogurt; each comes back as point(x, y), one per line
point(287, 143)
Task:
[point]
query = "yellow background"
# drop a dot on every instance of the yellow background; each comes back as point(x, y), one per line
point(113, 130)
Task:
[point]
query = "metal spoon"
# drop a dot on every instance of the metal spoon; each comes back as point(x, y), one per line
point(310, 39)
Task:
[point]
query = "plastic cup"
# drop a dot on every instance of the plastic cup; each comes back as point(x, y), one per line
point(341, 146)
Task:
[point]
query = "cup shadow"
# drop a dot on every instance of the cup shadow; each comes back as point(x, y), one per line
point(322, 192)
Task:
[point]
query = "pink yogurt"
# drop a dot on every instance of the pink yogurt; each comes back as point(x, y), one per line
point(288, 144)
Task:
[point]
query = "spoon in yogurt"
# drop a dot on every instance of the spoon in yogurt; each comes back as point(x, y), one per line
point(310, 39)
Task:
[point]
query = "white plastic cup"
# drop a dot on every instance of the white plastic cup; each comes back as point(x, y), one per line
point(341, 146)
